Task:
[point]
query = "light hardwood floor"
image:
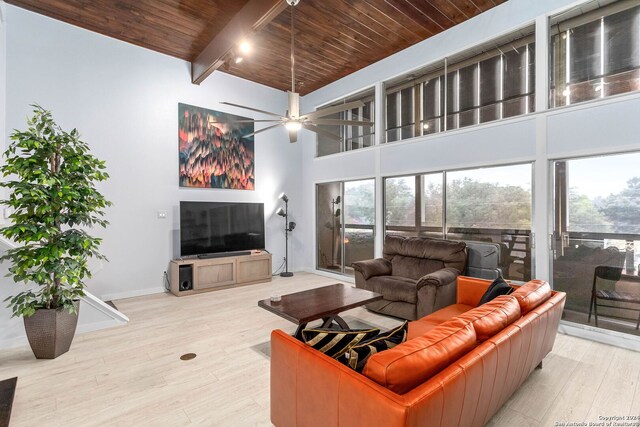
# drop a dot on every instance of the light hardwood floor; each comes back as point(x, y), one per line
point(132, 375)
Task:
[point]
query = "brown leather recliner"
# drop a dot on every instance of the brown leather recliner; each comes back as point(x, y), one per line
point(416, 277)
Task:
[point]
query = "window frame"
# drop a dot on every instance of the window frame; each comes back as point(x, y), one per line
point(563, 89)
point(443, 70)
point(366, 95)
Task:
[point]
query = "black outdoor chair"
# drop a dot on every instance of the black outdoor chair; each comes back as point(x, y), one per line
point(613, 275)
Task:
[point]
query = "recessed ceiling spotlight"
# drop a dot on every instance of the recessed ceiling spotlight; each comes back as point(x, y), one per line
point(245, 47)
point(239, 59)
point(425, 126)
point(566, 92)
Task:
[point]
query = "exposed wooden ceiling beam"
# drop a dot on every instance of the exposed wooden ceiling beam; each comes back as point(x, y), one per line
point(255, 15)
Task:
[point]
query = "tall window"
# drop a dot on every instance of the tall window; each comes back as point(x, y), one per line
point(347, 138)
point(463, 91)
point(597, 226)
point(595, 54)
point(488, 205)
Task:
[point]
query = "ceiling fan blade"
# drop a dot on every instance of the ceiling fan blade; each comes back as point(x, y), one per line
point(332, 122)
point(242, 121)
point(262, 130)
point(323, 132)
point(252, 109)
point(335, 109)
point(293, 136)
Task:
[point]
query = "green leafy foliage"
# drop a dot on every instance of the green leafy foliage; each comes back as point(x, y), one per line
point(584, 215)
point(360, 206)
point(400, 201)
point(51, 178)
point(470, 203)
point(475, 204)
point(623, 208)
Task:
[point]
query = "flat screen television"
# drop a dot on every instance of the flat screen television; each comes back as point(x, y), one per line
point(215, 227)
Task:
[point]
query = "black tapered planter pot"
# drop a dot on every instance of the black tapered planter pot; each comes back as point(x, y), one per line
point(50, 331)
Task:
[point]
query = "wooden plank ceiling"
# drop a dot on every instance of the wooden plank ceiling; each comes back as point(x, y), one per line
point(334, 38)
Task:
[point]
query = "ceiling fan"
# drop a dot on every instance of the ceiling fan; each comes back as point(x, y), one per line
point(293, 120)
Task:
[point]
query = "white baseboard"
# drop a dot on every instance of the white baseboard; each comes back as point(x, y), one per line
point(132, 294)
point(338, 277)
point(618, 339)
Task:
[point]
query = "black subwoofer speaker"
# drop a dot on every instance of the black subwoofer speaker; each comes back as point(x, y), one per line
point(185, 278)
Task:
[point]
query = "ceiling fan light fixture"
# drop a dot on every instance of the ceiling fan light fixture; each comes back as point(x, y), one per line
point(293, 121)
point(244, 47)
point(293, 125)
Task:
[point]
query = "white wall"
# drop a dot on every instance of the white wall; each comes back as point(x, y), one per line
point(597, 127)
point(3, 84)
point(10, 327)
point(124, 101)
point(3, 78)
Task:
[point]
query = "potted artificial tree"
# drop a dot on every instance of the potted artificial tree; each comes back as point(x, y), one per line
point(50, 177)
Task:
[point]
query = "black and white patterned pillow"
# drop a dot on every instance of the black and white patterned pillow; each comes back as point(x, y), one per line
point(358, 354)
point(335, 342)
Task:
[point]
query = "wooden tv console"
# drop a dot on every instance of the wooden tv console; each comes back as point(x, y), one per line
point(209, 274)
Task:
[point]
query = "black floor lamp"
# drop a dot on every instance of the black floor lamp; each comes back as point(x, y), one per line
point(288, 227)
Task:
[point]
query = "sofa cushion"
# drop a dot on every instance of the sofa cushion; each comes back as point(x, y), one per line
point(414, 268)
point(393, 288)
point(447, 313)
point(496, 288)
point(429, 322)
point(532, 294)
point(469, 290)
point(358, 355)
point(420, 327)
point(494, 316)
point(450, 253)
point(413, 362)
point(335, 342)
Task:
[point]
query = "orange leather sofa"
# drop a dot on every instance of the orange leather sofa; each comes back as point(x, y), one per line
point(458, 366)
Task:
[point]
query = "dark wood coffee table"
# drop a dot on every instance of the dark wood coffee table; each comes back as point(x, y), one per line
point(321, 303)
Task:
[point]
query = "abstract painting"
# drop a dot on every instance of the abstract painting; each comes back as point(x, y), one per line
point(214, 155)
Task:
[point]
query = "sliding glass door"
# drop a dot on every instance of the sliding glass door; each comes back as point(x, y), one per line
point(329, 226)
point(494, 205)
point(345, 224)
point(476, 205)
point(596, 239)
